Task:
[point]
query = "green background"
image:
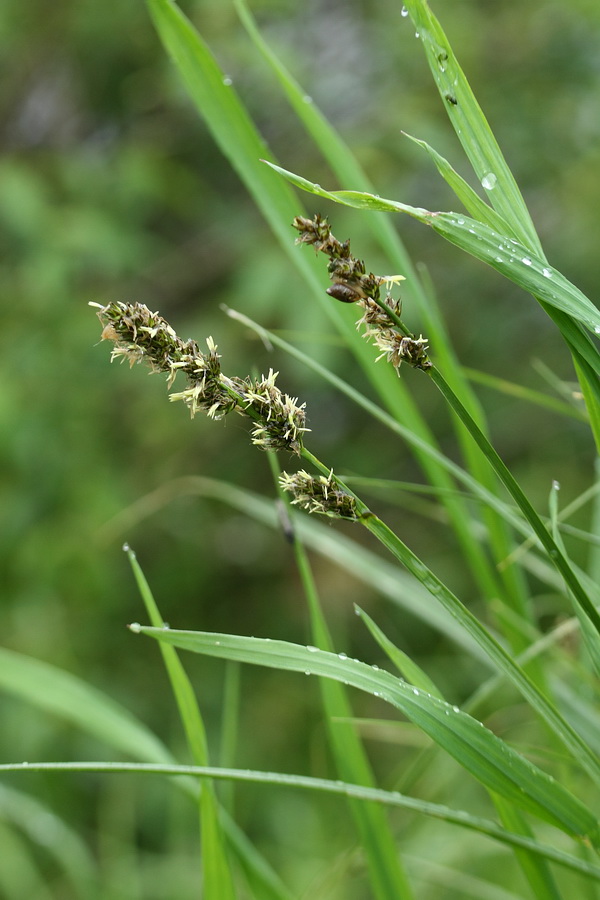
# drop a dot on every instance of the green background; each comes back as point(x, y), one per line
point(111, 188)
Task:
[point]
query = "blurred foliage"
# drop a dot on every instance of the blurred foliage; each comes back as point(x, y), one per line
point(111, 188)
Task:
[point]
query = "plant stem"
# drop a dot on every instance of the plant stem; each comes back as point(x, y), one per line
point(547, 541)
point(495, 651)
point(514, 489)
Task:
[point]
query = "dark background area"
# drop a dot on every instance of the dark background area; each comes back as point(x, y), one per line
point(111, 188)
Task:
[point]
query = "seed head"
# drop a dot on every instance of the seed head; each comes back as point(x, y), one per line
point(320, 495)
point(140, 335)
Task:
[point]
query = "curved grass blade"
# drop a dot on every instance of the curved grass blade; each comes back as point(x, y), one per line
point(470, 199)
point(471, 126)
point(216, 871)
point(405, 665)
point(489, 759)
point(392, 798)
point(535, 869)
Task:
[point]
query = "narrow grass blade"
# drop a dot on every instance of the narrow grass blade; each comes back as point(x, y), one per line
point(470, 199)
point(591, 396)
point(405, 665)
point(21, 872)
point(217, 876)
point(387, 876)
point(303, 782)
point(509, 257)
point(471, 126)
point(485, 756)
point(180, 684)
point(501, 658)
point(534, 868)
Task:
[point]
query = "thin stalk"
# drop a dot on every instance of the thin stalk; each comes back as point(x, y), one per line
point(304, 782)
point(507, 479)
point(514, 489)
point(494, 650)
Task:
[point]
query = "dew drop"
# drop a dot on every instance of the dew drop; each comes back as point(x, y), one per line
point(548, 274)
point(417, 34)
point(375, 668)
point(404, 12)
point(217, 643)
point(556, 485)
point(307, 671)
point(165, 626)
point(342, 656)
point(597, 329)
point(456, 709)
point(307, 98)
point(489, 181)
point(416, 692)
point(460, 221)
point(526, 261)
point(135, 627)
point(227, 81)
point(125, 548)
point(312, 649)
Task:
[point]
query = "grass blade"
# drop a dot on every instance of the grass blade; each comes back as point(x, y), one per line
point(470, 199)
point(489, 759)
point(405, 665)
point(391, 798)
point(471, 126)
point(216, 871)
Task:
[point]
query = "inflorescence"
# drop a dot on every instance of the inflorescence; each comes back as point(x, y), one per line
point(320, 495)
point(353, 284)
point(138, 334)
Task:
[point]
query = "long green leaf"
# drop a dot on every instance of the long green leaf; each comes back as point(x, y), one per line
point(216, 871)
point(478, 750)
point(471, 126)
point(303, 782)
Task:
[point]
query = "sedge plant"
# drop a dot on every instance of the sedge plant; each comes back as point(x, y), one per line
point(538, 806)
